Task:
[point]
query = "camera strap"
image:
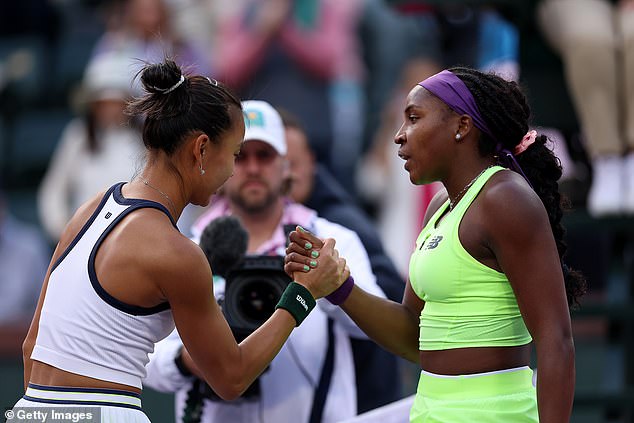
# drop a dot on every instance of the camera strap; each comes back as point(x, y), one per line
point(321, 392)
point(194, 403)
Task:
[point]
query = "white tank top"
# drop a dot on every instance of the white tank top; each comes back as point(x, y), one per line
point(83, 329)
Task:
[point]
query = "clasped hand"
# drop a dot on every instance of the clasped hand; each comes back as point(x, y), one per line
point(315, 263)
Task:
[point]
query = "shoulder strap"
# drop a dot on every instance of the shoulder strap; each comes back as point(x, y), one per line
point(475, 189)
point(319, 400)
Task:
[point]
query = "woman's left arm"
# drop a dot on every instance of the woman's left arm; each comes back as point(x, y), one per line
point(520, 236)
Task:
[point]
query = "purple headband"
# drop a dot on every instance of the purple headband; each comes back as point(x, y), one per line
point(451, 90)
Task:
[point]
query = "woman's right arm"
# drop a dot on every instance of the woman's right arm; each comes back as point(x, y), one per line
point(229, 368)
point(163, 374)
point(392, 325)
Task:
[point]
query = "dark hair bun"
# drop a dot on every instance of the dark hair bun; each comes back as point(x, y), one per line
point(177, 103)
point(157, 78)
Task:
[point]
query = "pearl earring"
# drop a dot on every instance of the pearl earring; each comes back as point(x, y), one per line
point(202, 156)
point(458, 136)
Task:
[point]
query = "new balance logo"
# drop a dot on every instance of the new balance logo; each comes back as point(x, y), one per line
point(433, 243)
point(302, 302)
point(108, 215)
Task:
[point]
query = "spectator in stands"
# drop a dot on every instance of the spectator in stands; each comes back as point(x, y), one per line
point(290, 53)
point(595, 39)
point(97, 149)
point(462, 34)
point(313, 185)
point(142, 30)
point(23, 261)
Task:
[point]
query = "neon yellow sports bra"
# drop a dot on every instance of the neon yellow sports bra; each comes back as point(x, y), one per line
point(467, 304)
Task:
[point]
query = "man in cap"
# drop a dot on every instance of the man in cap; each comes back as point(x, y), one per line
point(312, 379)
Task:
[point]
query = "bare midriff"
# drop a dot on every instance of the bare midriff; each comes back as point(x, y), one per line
point(464, 361)
point(44, 374)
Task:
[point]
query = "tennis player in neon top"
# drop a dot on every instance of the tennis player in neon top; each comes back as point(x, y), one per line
point(487, 275)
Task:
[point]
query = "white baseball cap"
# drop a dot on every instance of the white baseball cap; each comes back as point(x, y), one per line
point(108, 77)
point(263, 123)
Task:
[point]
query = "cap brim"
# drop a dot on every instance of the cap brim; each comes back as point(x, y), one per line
point(257, 134)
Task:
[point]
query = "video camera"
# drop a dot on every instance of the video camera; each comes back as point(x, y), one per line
point(253, 284)
point(251, 294)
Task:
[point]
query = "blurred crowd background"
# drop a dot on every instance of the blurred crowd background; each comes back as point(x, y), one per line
point(343, 67)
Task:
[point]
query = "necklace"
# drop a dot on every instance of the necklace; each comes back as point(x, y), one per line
point(455, 201)
point(171, 203)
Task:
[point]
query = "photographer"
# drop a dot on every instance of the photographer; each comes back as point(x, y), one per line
point(312, 378)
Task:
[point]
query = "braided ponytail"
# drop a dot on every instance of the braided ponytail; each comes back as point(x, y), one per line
point(505, 109)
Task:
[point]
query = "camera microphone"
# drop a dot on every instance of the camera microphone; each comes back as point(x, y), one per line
point(224, 242)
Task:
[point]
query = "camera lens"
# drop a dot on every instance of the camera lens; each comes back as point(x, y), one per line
point(252, 292)
point(257, 300)
point(251, 298)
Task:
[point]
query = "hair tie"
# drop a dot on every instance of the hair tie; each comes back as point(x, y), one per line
point(212, 81)
point(526, 142)
point(507, 159)
point(172, 88)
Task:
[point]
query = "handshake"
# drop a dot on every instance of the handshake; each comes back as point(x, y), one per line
point(315, 264)
point(255, 284)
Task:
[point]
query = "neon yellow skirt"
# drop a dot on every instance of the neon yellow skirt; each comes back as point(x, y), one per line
point(506, 396)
